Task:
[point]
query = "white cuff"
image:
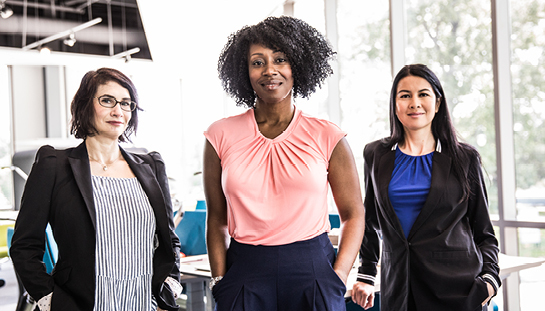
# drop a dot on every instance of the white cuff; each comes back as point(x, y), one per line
point(44, 304)
point(366, 277)
point(174, 286)
point(490, 279)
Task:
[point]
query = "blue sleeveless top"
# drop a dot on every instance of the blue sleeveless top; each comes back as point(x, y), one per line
point(409, 187)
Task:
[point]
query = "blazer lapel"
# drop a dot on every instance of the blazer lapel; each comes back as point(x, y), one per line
point(440, 172)
point(79, 162)
point(148, 181)
point(383, 176)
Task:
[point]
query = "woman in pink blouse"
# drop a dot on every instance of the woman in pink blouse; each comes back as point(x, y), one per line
point(267, 172)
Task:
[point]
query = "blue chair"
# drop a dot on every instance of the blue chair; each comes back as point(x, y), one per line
point(335, 221)
point(51, 250)
point(201, 205)
point(191, 232)
point(25, 302)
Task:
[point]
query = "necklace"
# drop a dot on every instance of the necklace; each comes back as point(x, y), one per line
point(104, 165)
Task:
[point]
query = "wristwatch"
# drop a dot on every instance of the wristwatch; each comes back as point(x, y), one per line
point(214, 281)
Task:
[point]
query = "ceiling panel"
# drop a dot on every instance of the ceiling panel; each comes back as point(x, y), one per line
point(119, 29)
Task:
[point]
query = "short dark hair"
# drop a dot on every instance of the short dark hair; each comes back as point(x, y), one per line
point(82, 108)
point(305, 47)
point(442, 127)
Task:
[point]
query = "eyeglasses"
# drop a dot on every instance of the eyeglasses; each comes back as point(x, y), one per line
point(110, 102)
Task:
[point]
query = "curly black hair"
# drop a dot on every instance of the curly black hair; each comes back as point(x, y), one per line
point(306, 49)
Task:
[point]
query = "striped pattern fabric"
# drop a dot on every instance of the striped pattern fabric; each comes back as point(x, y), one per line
point(125, 227)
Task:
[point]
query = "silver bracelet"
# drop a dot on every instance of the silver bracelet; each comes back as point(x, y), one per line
point(214, 281)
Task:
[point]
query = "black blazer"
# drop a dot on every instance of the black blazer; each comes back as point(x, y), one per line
point(59, 191)
point(450, 246)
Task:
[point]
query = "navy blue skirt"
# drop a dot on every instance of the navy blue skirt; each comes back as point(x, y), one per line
point(297, 276)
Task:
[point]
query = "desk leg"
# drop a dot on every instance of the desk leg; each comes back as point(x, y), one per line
point(195, 293)
point(210, 303)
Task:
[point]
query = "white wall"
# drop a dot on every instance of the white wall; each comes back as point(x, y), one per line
point(28, 103)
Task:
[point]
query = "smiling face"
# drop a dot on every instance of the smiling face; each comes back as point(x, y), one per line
point(111, 122)
point(416, 104)
point(270, 74)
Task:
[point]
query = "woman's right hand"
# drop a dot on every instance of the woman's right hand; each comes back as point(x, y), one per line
point(490, 289)
point(363, 294)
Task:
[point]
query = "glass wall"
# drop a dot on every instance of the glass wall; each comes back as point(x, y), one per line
point(365, 75)
point(312, 12)
point(528, 70)
point(532, 281)
point(528, 80)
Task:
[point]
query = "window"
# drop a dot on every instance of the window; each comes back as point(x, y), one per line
point(454, 39)
point(528, 79)
point(364, 64)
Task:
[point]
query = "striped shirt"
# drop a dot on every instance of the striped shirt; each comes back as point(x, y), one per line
point(125, 227)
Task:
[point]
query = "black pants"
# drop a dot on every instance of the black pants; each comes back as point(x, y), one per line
point(297, 276)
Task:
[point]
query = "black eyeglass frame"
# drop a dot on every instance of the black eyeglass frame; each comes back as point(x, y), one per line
point(131, 108)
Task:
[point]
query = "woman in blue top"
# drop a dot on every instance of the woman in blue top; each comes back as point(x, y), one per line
point(426, 199)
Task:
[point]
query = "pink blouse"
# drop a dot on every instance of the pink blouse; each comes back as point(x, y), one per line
point(276, 189)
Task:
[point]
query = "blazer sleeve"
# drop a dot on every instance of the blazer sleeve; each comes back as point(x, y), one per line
point(28, 243)
point(161, 175)
point(483, 231)
point(370, 246)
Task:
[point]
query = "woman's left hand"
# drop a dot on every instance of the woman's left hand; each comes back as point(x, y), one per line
point(342, 275)
point(490, 293)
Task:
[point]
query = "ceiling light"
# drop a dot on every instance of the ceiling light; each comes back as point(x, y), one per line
point(127, 54)
point(5, 11)
point(71, 40)
point(63, 34)
point(45, 50)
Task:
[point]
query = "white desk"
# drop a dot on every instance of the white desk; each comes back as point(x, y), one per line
point(510, 264)
point(196, 274)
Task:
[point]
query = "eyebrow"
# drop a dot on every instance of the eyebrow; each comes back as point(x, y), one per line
point(115, 97)
point(420, 91)
point(260, 54)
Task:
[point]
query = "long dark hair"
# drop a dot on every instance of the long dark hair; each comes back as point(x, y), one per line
point(441, 126)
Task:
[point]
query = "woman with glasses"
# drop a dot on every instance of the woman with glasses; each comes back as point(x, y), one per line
point(267, 173)
point(110, 211)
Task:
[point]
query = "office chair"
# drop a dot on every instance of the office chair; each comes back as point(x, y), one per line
point(191, 232)
point(334, 221)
